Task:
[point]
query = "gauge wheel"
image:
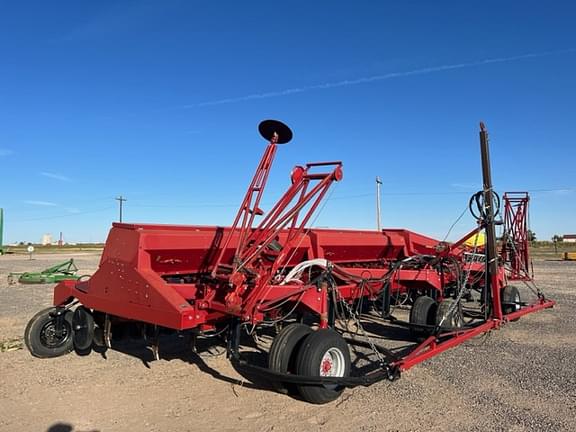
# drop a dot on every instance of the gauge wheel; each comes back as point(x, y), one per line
point(42, 337)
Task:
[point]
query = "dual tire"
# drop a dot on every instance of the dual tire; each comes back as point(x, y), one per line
point(283, 353)
point(449, 315)
point(423, 317)
point(322, 353)
point(426, 314)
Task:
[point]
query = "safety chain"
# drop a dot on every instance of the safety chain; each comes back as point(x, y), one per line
point(355, 318)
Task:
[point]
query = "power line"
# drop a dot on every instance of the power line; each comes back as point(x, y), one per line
point(222, 205)
point(183, 206)
point(67, 215)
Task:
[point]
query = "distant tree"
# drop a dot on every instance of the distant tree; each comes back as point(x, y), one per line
point(531, 236)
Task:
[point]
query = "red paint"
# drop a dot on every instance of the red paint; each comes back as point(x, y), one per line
point(185, 277)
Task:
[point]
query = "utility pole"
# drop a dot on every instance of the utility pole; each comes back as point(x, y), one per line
point(121, 200)
point(378, 184)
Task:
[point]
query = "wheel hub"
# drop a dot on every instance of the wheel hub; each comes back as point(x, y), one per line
point(50, 338)
point(332, 364)
point(326, 366)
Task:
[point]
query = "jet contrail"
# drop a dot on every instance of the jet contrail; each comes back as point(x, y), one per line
point(346, 83)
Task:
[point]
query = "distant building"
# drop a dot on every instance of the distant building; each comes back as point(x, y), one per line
point(46, 239)
point(569, 238)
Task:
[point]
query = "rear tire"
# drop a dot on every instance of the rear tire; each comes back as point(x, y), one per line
point(283, 353)
point(40, 335)
point(510, 300)
point(452, 321)
point(423, 312)
point(323, 353)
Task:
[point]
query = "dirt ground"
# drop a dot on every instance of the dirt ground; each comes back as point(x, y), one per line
point(521, 378)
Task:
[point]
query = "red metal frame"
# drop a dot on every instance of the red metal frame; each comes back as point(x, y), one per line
point(193, 277)
point(283, 218)
point(434, 345)
point(250, 206)
point(136, 275)
point(515, 245)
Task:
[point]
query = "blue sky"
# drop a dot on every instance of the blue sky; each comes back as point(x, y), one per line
point(160, 101)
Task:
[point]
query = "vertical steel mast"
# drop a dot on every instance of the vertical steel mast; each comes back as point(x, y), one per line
point(490, 225)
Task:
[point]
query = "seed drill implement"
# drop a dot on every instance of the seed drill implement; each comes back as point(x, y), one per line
point(316, 291)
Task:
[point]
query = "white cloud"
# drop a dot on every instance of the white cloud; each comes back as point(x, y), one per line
point(41, 203)
point(375, 78)
point(465, 186)
point(55, 176)
point(563, 192)
point(5, 152)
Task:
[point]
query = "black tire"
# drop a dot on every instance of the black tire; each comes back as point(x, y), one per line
point(452, 321)
point(423, 312)
point(40, 338)
point(282, 354)
point(320, 347)
point(510, 300)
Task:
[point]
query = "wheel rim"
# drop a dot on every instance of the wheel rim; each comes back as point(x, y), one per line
point(50, 339)
point(511, 302)
point(516, 302)
point(457, 316)
point(332, 363)
point(454, 320)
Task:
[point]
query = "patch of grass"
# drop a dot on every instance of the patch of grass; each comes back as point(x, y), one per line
point(11, 345)
point(545, 249)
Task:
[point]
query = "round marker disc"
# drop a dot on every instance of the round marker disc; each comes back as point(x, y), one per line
point(268, 128)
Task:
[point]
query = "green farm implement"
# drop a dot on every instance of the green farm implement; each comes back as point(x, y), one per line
point(60, 272)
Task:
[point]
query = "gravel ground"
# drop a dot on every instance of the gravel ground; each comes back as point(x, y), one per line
point(521, 378)
point(20, 302)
